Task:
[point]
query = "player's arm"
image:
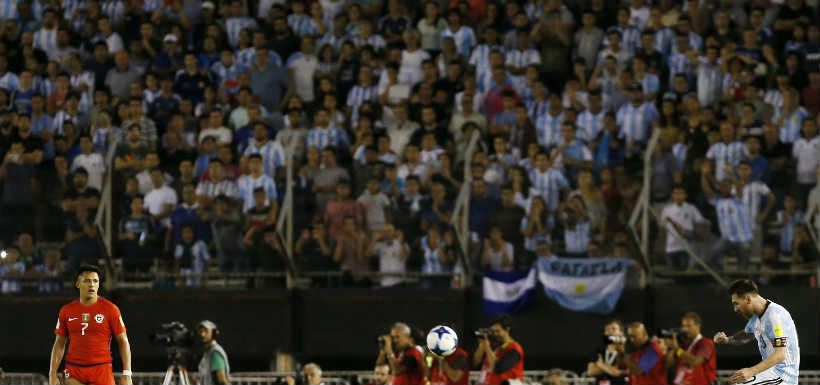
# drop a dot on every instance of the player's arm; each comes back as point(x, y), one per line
point(57, 352)
point(125, 353)
point(742, 337)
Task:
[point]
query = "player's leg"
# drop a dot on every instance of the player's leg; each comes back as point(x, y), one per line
point(766, 377)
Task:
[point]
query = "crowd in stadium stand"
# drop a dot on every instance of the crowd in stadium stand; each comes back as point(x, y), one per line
point(196, 102)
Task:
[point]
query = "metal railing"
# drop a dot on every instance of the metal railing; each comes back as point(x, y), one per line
point(460, 219)
point(105, 210)
point(640, 214)
point(284, 224)
point(806, 377)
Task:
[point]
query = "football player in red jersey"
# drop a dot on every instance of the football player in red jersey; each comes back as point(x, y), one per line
point(89, 323)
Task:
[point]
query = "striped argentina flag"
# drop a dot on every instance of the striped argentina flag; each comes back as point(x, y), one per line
point(506, 292)
point(584, 285)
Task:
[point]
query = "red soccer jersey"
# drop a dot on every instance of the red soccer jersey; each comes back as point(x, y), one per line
point(89, 330)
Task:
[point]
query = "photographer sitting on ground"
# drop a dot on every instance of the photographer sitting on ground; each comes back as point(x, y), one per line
point(506, 360)
point(407, 366)
point(605, 368)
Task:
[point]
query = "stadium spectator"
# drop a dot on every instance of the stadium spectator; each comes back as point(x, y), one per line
point(190, 257)
point(587, 86)
point(679, 218)
point(498, 254)
point(644, 362)
point(350, 252)
point(136, 235)
point(226, 225)
point(500, 356)
point(389, 246)
point(11, 269)
point(50, 272)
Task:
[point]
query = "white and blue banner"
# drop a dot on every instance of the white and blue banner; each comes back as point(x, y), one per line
point(584, 285)
point(507, 292)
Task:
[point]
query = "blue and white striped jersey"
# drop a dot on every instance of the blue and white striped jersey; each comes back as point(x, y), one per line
point(115, 9)
point(548, 129)
point(464, 39)
point(709, 83)
point(679, 63)
point(634, 122)
point(234, 25)
point(536, 108)
point(733, 221)
point(480, 57)
point(522, 58)
point(327, 137)
point(752, 196)
point(790, 222)
point(576, 238)
point(775, 328)
point(792, 123)
point(726, 153)
point(10, 82)
point(357, 96)
point(247, 57)
point(247, 183)
point(8, 9)
point(548, 185)
point(588, 125)
point(273, 155)
point(46, 40)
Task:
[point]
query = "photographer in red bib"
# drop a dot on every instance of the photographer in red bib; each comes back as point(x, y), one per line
point(400, 352)
point(691, 355)
point(500, 356)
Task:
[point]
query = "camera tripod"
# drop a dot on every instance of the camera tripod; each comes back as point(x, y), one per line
point(181, 372)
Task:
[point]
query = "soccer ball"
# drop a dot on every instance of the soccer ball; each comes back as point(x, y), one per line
point(442, 341)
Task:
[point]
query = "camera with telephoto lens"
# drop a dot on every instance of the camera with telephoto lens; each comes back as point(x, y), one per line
point(614, 340)
point(669, 333)
point(177, 340)
point(482, 333)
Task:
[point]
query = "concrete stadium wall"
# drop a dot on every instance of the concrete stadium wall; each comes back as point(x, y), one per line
point(338, 327)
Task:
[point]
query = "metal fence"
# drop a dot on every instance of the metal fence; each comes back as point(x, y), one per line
point(564, 377)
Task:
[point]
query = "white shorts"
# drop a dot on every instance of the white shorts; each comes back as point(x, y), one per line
point(767, 377)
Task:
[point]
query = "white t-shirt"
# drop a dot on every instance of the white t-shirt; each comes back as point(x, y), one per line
point(685, 215)
point(303, 67)
point(156, 200)
point(390, 261)
point(496, 260)
point(807, 154)
point(410, 69)
point(94, 164)
point(223, 135)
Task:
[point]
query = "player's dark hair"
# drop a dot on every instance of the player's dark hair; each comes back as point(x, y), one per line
point(88, 268)
point(504, 320)
point(742, 287)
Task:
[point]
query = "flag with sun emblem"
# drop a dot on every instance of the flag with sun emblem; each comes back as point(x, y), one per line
point(585, 285)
